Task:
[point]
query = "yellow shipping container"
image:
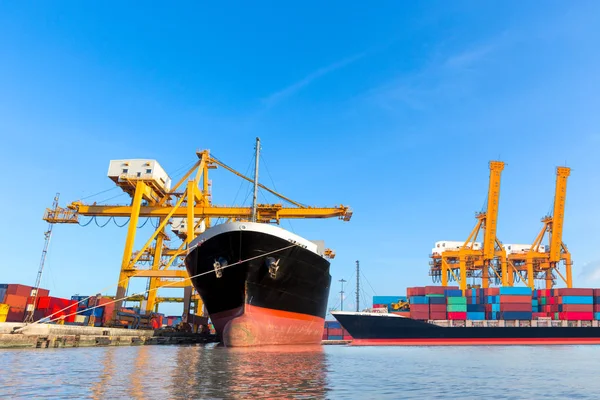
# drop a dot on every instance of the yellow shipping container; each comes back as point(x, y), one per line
point(4, 312)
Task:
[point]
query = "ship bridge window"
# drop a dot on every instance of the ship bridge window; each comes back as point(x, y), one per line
point(139, 174)
point(148, 171)
point(125, 170)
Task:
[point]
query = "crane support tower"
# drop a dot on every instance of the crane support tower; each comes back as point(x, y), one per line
point(183, 210)
point(459, 261)
point(541, 262)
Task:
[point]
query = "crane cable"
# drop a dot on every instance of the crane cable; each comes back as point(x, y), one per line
point(146, 291)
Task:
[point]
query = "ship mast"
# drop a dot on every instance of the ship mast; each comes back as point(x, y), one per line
point(357, 286)
point(254, 205)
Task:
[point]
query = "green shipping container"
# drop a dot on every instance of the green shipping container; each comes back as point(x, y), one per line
point(543, 300)
point(456, 308)
point(457, 300)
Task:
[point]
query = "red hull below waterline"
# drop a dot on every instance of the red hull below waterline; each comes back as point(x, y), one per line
point(475, 342)
point(258, 326)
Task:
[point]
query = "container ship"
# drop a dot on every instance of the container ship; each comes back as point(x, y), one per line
point(277, 295)
point(439, 315)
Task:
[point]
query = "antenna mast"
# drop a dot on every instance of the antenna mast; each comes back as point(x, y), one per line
point(357, 285)
point(342, 295)
point(254, 198)
point(38, 280)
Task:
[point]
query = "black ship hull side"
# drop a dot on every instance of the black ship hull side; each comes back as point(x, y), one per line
point(300, 285)
point(381, 329)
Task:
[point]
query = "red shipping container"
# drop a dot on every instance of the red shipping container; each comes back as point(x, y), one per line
point(575, 292)
point(457, 315)
point(346, 337)
point(515, 299)
point(16, 301)
point(516, 307)
point(437, 308)
point(15, 314)
point(491, 291)
point(438, 315)
point(420, 308)
point(578, 307)
point(596, 292)
point(335, 332)
point(596, 307)
point(415, 291)
point(438, 289)
point(43, 302)
point(537, 315)
point(419, 315)
point(24, 290)
point(324, 337)
point(575, 316)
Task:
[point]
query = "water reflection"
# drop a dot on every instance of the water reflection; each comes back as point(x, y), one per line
point(242, 373)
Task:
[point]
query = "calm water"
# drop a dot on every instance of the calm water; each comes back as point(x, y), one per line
point(332, 372)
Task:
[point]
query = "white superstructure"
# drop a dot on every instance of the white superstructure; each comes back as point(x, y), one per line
point(121, 170)
point(444, 245)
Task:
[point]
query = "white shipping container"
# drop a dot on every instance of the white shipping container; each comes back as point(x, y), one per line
point(444, 245)
point(179, 225)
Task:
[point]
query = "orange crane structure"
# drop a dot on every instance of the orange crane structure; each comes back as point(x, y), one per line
point(541, 262)
point(184, 210)
point(462, 260)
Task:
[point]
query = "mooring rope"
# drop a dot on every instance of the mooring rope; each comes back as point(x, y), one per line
point(144, 292)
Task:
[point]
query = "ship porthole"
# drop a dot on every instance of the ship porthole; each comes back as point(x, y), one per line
point(242, 227)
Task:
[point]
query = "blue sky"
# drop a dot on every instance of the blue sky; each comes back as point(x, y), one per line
point(394, 110)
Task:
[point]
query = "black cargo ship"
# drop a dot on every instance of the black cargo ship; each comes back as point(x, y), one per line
point(373, 328)
point(276, 295)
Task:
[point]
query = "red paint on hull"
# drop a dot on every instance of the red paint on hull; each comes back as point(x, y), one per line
point(258, 326)
point(475, 342)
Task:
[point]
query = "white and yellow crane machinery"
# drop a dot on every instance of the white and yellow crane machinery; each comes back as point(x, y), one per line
point(542, 262)
point(187, 206)
point(471, 259)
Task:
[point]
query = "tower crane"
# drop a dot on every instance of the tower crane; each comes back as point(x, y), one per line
point(461, 260)
point(185, 210)
point(542, 262)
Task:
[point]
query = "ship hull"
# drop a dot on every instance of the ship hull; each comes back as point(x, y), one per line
point(382, 329)
point(251, 304)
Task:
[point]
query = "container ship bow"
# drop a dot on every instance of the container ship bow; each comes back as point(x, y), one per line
point(276, 295)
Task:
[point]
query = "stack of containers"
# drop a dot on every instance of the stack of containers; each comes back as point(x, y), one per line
point(334, 331)
point(515, 303)
point(491, 301)
point(548, 303)
point(56, 307)
point(436, 298)
point(597, 304)
point(475, 304)
point(456, 304)
point(575, 304)
point(419, 306)
point(17, 298)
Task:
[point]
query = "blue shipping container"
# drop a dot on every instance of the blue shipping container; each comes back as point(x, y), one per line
point(516, 315)
point(596, 300)
point(478, 316)
point(437, 300)
point(333, 324)
point(597, 316)
point(494, 315)
point(335, 337)
point(534, 303)
point(515, 291)
point(419, 300)
point(493, 299)
point(2, 294)
point(475, 308)
point(578, 300)
point(388, 299)
point(496, 307)
point(453, 293)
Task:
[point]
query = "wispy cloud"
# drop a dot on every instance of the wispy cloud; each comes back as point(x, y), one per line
point(292, 89)
point(590, 272)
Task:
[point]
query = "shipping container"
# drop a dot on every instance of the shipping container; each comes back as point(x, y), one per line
point(24, 290)
point(597, 316)
point(504, 299)
point(515, 291)
point(457, 315)
point(437, 308)
point(516, 307)
point(576, 316)
point(491, 291)
point(453, 293)
point(415, 291)
point(335, 337)
point(475, 307)
point(456, 308)
point(419, 300)
point(385, 300)
point(575, 292)
point(437, 300)
point(4, 309)
point(515, 315)
point(2, 294)
point(576, 300)
point(419, 308)
point(576, 307)
point(16, 301)
point(475, 315)
point(420, 315)
point(457, 300)
point(15, 314)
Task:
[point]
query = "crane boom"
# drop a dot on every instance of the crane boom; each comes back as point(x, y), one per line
point(558, 214)
point(491, 218)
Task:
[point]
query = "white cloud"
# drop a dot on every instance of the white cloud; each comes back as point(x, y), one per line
point(292, 89)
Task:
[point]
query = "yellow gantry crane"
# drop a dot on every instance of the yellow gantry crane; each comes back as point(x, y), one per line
point(186, 210)
point(541, 262)
point(469, 259)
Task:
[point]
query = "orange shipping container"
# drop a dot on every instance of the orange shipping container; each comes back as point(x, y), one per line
point(15, 300)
